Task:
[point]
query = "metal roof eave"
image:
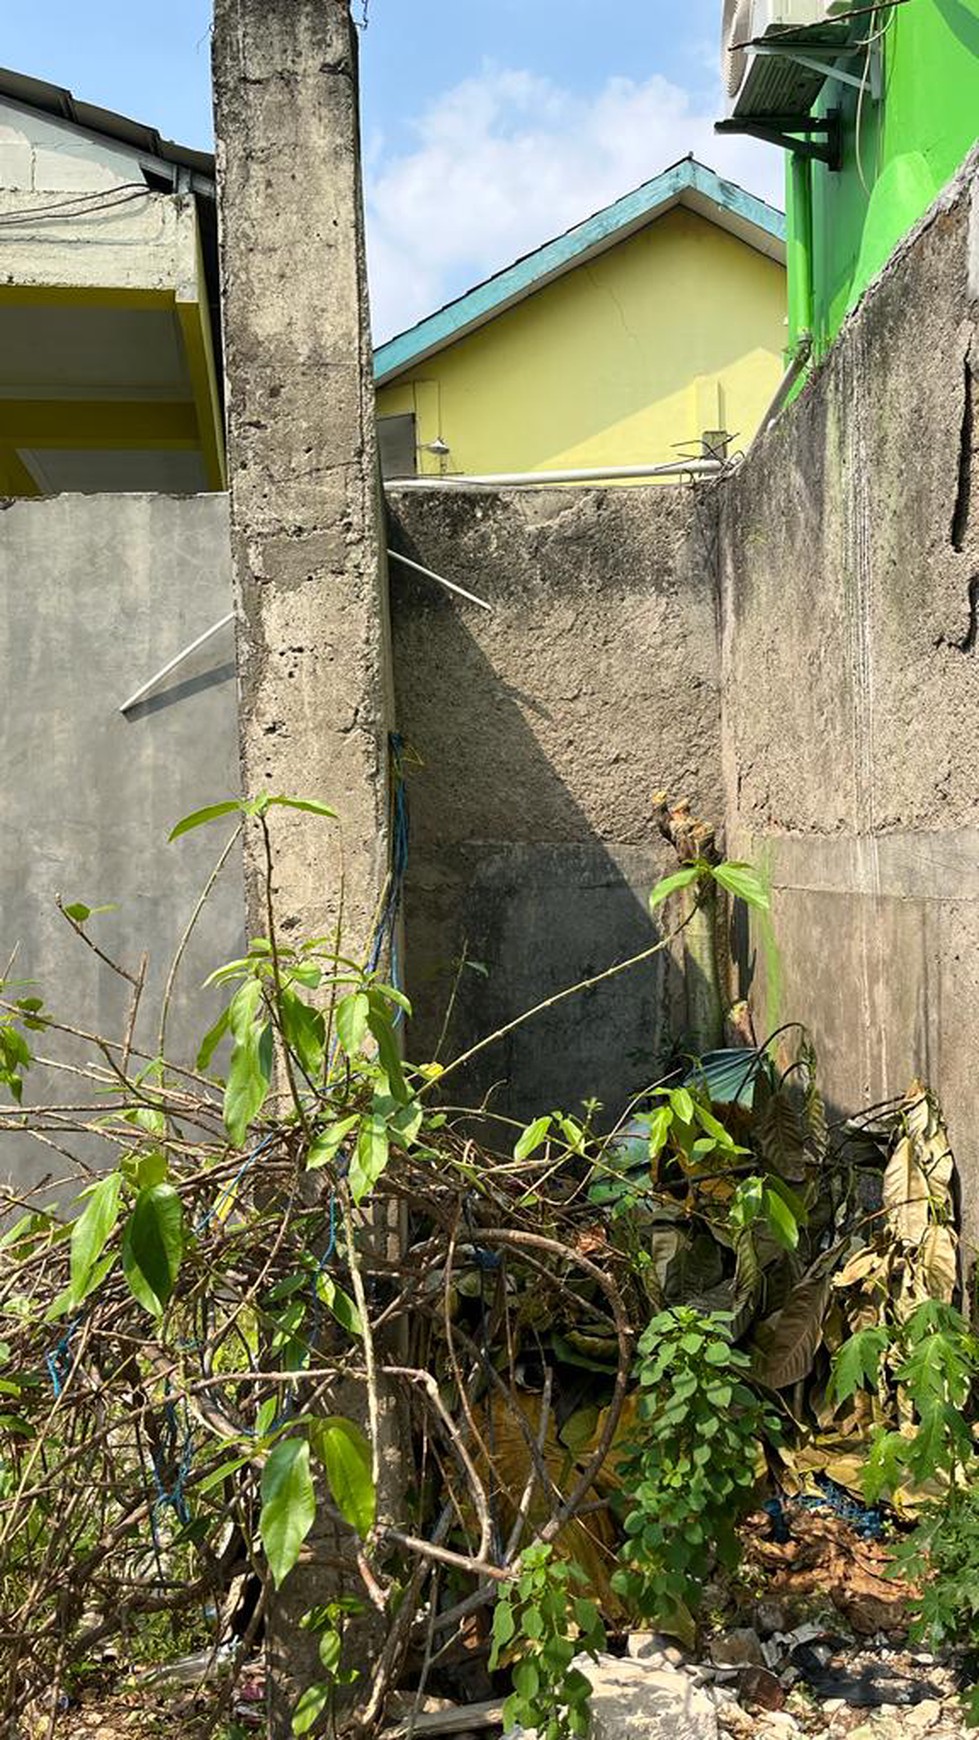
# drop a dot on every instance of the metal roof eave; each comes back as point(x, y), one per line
point(686, 183)
point(55, 100)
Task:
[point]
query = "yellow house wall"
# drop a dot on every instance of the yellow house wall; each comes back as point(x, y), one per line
point(624, 360)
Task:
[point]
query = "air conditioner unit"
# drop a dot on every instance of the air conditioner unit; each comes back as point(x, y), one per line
point(769, 83)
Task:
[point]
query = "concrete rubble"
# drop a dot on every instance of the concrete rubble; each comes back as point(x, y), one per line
point(660, 1690)
point(636, 1700)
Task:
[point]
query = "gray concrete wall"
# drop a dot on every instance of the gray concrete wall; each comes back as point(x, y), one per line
point(540, 732)
point(849, 564)
point(96, 593)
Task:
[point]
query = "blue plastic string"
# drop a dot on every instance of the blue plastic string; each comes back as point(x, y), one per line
point(58, 1360)
point(164, 1457)
point(229, 1189)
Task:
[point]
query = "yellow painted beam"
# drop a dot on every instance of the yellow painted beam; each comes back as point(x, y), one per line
point(15, 479)
point(195, 325)
point(98, 423)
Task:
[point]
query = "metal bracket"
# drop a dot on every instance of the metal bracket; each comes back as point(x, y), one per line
point(780, 130)
point(775, 46)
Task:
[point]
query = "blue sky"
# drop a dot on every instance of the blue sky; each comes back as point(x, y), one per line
point(489, 125)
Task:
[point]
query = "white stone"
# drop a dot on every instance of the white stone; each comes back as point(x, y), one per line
point(922, 1716)
point(632, 1701)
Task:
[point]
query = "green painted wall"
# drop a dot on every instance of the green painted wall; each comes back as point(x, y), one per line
point(910, 143)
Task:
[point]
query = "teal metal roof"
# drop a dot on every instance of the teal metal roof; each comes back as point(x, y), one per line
point(685, 183)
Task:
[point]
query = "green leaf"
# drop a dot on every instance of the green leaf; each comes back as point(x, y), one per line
point(715, 1128)
point(211, 813)
point(310, 805)
point(391, 994)
point(153, 1246)
point(78, 912)
point(682, 1103)
point(669, 884)
point(405, 1121)
point(92, 1230)
point(250, 1068)
point(219, 1475)
point(744, 882)
point(311, 1706)
point(211, 1041)
point(325, 1143)
point(504, 1625)
point(659, 1128)
point(288, 1505)
point(330, 1649)
point(352, 1014)
point(340, 1304)
point(370, 1156)
point(345, 1453)
point(526, 1679)
point(531, 1138)
point(304, 1031)
point(152, 1168)
point(780, 1220)
point(857, 1363)
point(379, 1022)
point(747, 1203)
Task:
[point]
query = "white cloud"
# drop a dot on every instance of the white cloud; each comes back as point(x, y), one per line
point(507, 159)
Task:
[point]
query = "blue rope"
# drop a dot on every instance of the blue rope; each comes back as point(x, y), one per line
point(58, 1359)
point(229, 1189)
point(164, 1456)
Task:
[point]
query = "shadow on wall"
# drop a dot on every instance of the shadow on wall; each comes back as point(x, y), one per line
point(533, 847)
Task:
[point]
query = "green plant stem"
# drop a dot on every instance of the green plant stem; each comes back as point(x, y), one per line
point(277, 983)
point(188, 933)
point(561, 996)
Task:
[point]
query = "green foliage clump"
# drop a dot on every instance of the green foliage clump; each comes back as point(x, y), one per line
point(933, 1356)
point(690, 1470)
point(540, 1623)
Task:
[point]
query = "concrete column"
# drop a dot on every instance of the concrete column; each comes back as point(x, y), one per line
point(307, 544)
point(308, 554)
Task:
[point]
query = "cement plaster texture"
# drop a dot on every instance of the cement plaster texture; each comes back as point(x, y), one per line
point(536, 735)
point(97, 593)
point(147, 243)
point(315, 687)
point(849, 574)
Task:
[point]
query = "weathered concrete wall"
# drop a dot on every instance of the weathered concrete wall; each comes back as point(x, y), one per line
point(96, 593)
point(849, 555)
point(313, 652)
point(541, 731)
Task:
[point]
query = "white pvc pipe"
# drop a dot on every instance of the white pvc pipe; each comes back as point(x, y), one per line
point(172, 664)
point(596, 474)
point(450, 585)
point(791, 375)
point(226, 621)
